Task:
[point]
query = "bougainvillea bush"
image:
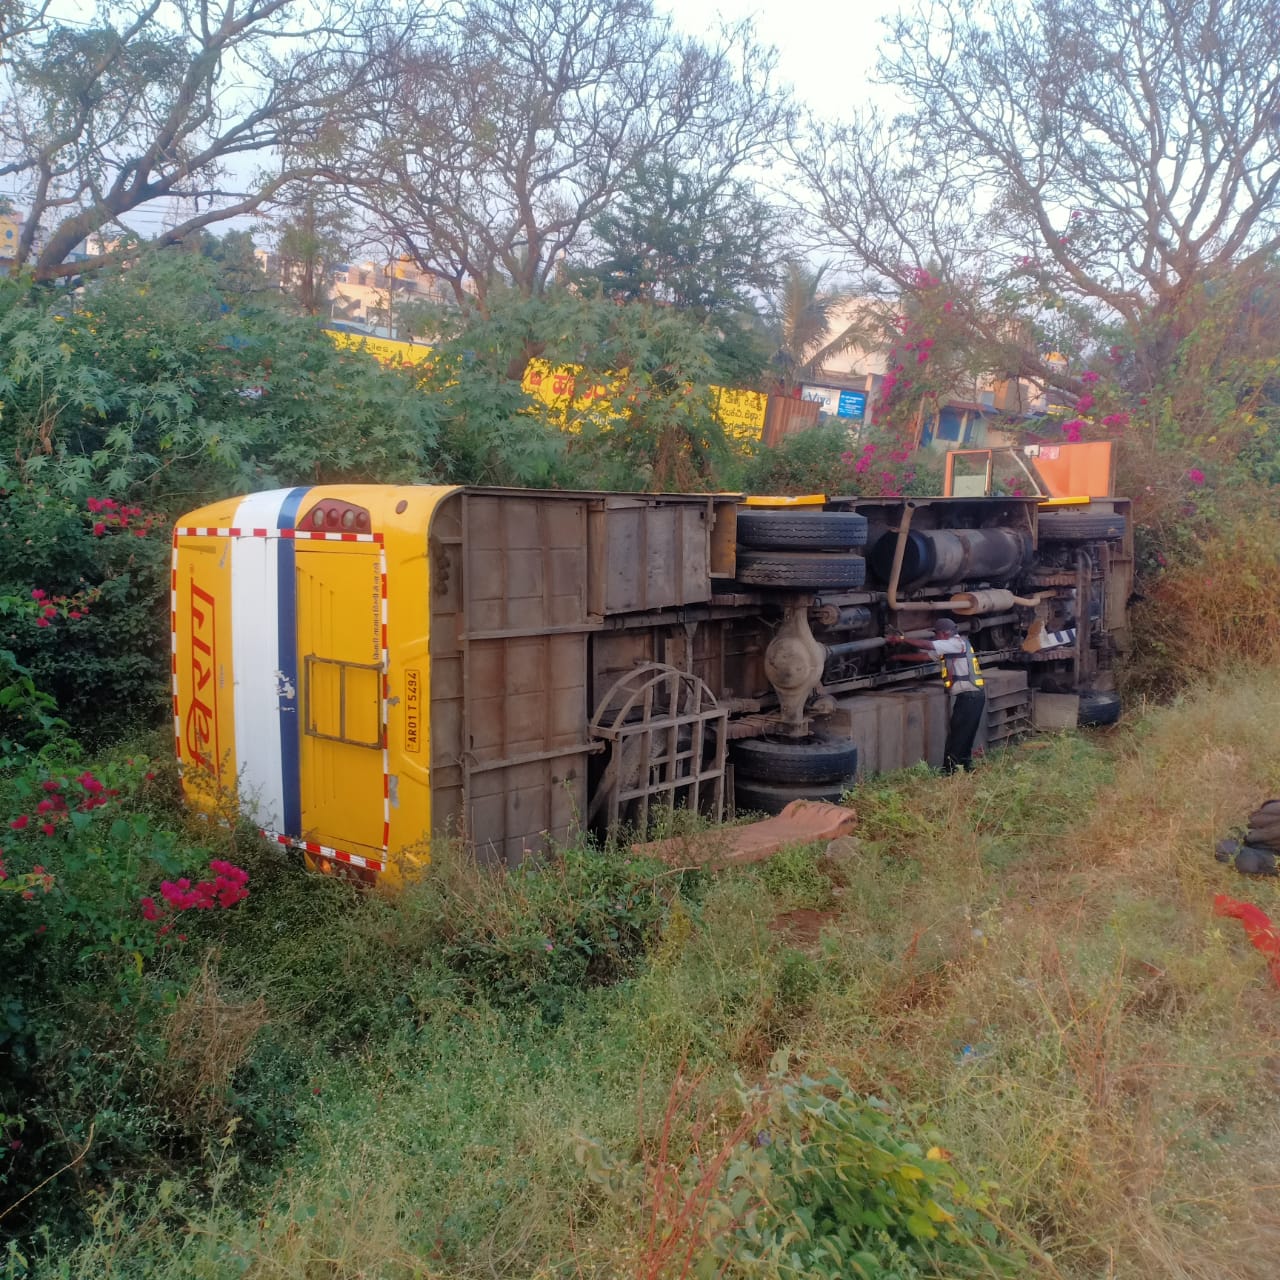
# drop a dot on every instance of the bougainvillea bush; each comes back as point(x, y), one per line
point(86, 583)
point(99, 908)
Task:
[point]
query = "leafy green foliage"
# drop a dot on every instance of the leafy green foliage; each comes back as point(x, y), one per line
point(170, 381)
point(824, 1183)
point(848, 1189)
point(640, 416)
point(91, 974)
point(102, 580)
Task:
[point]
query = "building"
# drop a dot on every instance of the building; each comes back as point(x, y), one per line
point(365, 297)
point(973, 417)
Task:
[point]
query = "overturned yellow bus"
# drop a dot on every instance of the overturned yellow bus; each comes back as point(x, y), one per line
point(362, 669)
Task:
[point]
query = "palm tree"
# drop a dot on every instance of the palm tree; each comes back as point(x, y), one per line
point(804, 316)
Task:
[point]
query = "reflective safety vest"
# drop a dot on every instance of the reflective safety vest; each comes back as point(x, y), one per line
point(961, 666)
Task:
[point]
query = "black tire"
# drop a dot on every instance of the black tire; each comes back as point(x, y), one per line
point(799, 569)
point(1081, 526)
point(814, 760)
point(1099, 708)
point(761, 797)
point(833, 530)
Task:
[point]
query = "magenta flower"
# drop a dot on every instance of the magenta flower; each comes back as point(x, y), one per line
point(1088, 376)
point(1085, 403)
point(1196, 476)
point(1116, 420)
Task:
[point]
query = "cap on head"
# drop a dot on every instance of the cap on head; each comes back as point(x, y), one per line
point(944, 625)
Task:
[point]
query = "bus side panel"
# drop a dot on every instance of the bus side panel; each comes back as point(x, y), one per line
point(204, 673)
point(509, 629)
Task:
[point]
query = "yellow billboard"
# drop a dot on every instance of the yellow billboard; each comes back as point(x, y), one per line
point(740, 413)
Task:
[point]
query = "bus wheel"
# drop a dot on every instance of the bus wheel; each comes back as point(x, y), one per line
point(1099, 708)
point(808, 760)
point(800, 569)
point(751, 796)
point(816, 530)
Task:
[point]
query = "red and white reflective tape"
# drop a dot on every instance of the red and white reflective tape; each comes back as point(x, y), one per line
point(386, 703)
point(324, 851)
point(296, 535)
point(173, 646)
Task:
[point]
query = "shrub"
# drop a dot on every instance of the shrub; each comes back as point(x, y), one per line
point(93, 906)
point(813, 1182)
point(87, 585)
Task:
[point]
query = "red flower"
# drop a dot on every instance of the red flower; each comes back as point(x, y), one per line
point(150, 911)
point(47, 828)
point(45, 806)
point(42, 622)
point(1089, 376)
point(93, 504)
point(19, 824)
point(1196, 476)
point(89, 782)
point(37, 594)
point(99, 529)
point(51, 784)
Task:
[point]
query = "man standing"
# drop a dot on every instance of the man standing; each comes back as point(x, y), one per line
point(962, 679)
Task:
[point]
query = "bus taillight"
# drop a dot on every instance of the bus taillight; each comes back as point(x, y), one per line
point(334, 516)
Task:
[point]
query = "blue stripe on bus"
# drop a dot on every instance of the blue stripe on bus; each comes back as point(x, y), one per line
point(287, 606)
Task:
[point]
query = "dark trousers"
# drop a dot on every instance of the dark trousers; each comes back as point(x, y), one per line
point(966, 716)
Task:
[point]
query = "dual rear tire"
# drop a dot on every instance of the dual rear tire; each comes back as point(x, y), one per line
point(770, 774)
point(812, 550)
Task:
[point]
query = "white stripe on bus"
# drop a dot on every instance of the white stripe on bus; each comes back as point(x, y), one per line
point(255, 648)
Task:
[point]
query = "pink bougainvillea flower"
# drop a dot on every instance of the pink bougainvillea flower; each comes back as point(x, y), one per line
point(1116, 420)
point(846, 457)
point(1088, 376)
point(1084, 403)
point(1196, 476)
point(150, 911)
point(946, 307)
point(1073, 429)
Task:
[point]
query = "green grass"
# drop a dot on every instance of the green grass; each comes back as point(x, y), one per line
point(1023, 959)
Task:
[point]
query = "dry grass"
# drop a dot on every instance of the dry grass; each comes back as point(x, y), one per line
point(1124, 1086)
point(207, 1037)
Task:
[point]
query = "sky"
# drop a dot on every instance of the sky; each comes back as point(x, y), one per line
point(827, 48)
point(827, 52)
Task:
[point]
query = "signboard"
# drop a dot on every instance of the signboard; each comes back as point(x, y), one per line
point(837, 403)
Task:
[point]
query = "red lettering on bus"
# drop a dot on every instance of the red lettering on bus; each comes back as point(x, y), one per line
point(201, 727)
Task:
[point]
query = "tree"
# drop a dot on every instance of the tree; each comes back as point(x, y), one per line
point(1102, 158)
point(311, 243)
point(705, 244)
point(805, 320)
point(158, 100)
point(492, 134)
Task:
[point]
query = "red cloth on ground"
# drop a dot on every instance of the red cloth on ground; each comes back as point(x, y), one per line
point(1257, 926)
